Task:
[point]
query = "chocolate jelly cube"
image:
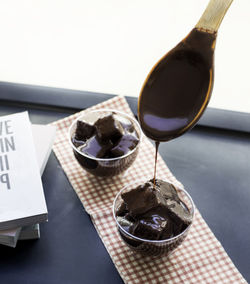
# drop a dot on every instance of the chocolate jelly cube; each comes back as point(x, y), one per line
point(151, 226)
point(125, 223)
point(84, 130)
point(107, 128)
point(155, 212)
point(122, 209)
point(167, 189)
point(177, 209)
point(126, 143)
point(179, 212)
point(93, 148)
point(142, 199)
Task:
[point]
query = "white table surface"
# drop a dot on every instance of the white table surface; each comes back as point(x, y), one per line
point(110, 46)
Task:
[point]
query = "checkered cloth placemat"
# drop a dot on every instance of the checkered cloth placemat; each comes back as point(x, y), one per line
point(200, 259)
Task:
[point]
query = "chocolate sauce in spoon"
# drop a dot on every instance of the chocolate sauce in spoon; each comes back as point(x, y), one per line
point(178, 88)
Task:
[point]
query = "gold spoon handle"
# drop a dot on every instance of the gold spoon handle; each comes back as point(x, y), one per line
point(213, 15)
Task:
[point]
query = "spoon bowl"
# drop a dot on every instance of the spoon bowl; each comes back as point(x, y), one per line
point(178, 88)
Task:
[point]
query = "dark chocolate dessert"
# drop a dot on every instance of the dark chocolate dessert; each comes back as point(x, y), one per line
point(106, 138)
point(153, 212)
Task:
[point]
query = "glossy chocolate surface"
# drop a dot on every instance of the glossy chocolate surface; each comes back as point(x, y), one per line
point(178, 89)
point(106, 138)
point(153, 211)
point(106, 143)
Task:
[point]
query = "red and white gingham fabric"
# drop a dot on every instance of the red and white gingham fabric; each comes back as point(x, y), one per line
point(200, 259)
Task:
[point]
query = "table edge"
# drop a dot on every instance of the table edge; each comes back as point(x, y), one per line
point(42, 96)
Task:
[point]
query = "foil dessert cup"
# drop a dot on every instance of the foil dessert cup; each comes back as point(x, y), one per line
point(154, 248)
point(105, 167)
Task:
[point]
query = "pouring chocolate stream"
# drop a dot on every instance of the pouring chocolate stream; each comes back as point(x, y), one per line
point(178, 88)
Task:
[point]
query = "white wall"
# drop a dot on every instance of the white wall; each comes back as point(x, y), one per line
point(110, 45)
